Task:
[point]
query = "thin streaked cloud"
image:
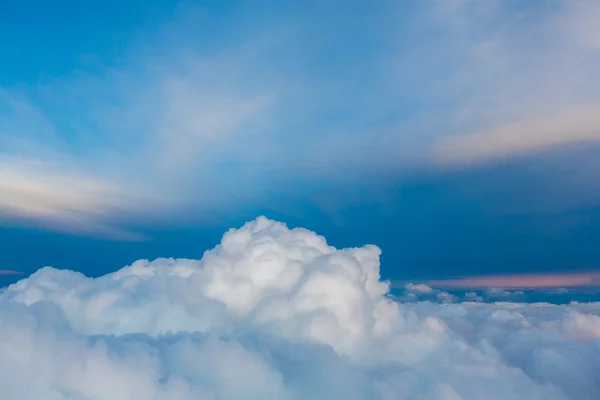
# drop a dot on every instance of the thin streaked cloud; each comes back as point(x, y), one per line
point(578, 126)
point(521, 281)
point(9, 272)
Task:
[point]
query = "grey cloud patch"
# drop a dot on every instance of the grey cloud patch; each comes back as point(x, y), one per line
point(9, 272)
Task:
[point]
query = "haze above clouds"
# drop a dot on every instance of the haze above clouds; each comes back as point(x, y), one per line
point(274, 313)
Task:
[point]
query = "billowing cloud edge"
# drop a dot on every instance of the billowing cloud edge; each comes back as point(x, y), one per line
point(273, 312)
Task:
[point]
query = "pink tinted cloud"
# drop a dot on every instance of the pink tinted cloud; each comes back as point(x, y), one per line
point(9, 272)
point(575, 279)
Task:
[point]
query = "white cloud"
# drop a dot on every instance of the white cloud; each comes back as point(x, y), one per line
point(472, 296)
point(445, 297)
point(274, 313)
point(503, 293)
point(418, 287)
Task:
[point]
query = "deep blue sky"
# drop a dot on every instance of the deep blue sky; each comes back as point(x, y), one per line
point(426, 128)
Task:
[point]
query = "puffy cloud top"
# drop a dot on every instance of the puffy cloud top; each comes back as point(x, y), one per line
point(277, 313)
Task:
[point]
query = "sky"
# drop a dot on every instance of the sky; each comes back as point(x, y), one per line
point(293, 200)
point(459, 136)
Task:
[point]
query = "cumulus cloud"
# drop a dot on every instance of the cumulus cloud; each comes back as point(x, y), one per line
point(473, 296)
point(422, 292)
point(277, 313)
point(445, 297)
point(496, 293)
point(418, 287)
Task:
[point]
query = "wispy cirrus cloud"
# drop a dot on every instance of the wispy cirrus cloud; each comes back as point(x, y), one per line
point(36, 192)
point(183, 122)
point(9, 272)
point(523, 281)
point(530, 85)
point(137, 138)
point(574, 127)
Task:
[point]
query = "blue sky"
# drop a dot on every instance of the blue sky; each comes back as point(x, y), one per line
point(457, 135)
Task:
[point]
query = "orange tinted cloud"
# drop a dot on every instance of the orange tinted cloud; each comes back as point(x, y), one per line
point(576, 279)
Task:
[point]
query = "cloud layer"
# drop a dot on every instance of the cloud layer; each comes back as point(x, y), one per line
point(277, 313)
